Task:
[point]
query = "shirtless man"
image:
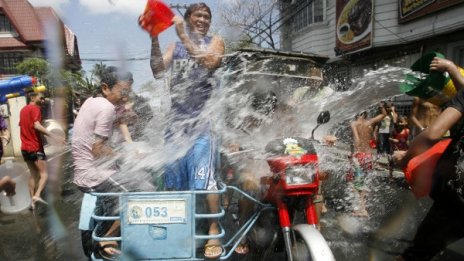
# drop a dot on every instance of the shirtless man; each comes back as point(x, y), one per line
point(363, 131)
point(422, 115)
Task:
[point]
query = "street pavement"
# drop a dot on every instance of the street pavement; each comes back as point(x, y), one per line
point(50, 232)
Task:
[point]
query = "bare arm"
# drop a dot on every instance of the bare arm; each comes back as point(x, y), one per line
point(125, 132)
point(430, 136)
point(100, 148)
point(354, 129)
point(38, 126)
point(378, 118)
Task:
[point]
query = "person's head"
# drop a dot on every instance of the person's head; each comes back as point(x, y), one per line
point(116, 85)
point(361, 115)
point(36, 97)
point(388, 106)
point(402, 122)
point(198, 18)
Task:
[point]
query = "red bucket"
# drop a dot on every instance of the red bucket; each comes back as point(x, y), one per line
point(419, 171)
point(156, 18)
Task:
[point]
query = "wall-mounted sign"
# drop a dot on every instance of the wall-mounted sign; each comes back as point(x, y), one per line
point(354, 25)
point(412, 9)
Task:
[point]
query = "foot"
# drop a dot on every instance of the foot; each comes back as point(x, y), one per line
point(242, 248)
point(213, 249)
point(109, 250)
point(36, 199)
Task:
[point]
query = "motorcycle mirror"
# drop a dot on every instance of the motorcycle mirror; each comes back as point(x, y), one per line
point(323, 117)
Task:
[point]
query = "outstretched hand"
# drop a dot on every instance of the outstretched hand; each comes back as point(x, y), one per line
point(441, 65)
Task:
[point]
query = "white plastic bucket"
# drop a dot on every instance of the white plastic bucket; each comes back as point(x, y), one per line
point(54, 127)
point(21, 200)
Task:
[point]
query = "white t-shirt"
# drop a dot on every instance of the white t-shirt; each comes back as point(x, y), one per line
point(96, 117)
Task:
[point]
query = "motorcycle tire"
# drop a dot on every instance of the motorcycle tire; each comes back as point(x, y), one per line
point(309, 244)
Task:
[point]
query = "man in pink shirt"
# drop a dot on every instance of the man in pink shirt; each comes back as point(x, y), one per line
point(95, 167)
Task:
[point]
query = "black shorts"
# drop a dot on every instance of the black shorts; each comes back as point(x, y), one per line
point(33, 156)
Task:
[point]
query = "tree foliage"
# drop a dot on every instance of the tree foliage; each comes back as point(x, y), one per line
point(42, 70)
point(258, 20)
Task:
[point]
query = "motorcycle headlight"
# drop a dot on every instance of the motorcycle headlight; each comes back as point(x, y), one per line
point(299, 175)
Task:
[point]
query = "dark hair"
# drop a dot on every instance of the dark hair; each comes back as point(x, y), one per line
point(361, 114)
point(111, 75)
point(193, 7)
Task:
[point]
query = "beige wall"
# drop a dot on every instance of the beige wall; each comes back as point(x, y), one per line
point(15, 106)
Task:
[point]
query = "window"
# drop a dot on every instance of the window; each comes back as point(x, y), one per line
point(8, 61)
point(308, 12)
point(456, 53)
point(5, 25)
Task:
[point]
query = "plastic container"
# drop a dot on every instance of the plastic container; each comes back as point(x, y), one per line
point(419, 171)
point(432, 86)
point(156, 18)
point(21, 200)
point(54, 127)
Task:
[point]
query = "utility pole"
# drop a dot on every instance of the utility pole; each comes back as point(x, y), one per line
point(179, 7)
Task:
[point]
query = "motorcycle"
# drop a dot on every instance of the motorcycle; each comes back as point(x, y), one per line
point(163, 225)
point(286, 217)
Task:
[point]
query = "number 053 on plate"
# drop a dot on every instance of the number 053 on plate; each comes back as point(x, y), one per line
point(156, 211)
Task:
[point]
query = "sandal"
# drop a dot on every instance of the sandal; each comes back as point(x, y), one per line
point(242, 249)
point(110, 251)
point(39, 199)
point(213, 251)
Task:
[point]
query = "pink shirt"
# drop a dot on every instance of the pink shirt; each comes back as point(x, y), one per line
point(96, 117)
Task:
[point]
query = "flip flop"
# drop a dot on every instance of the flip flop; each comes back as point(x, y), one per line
point(213, 251)
point(242, 249)
point(39, 199)
point(102, 251)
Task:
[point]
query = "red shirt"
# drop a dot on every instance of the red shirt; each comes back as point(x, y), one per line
point(30, 138)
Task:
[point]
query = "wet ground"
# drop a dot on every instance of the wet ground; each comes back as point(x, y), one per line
point(51, 233)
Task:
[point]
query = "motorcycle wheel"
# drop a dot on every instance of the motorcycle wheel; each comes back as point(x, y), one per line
point(300, 251)
point(87, 242)
point(309, 244)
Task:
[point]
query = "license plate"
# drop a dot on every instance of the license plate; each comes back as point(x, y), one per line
point(156, 211)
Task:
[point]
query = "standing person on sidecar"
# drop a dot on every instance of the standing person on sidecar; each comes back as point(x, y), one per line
point(192, 62)
point(94, 157)
point(444, 221)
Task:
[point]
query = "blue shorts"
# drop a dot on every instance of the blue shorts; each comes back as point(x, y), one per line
point(195, 170)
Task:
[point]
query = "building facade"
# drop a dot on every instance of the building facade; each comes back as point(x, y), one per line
point(363, 34)
point(23, 35)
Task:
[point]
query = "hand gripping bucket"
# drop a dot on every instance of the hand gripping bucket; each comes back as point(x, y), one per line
point(156, 18)
point(21, 200)
point(432, 86)
point(419, 171)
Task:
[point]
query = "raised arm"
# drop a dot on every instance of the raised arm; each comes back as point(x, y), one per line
point(210, 57)
point(444, 65)
point(378, 118)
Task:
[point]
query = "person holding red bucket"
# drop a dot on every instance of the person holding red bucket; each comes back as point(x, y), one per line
point(192, 61)
point(443, 223)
